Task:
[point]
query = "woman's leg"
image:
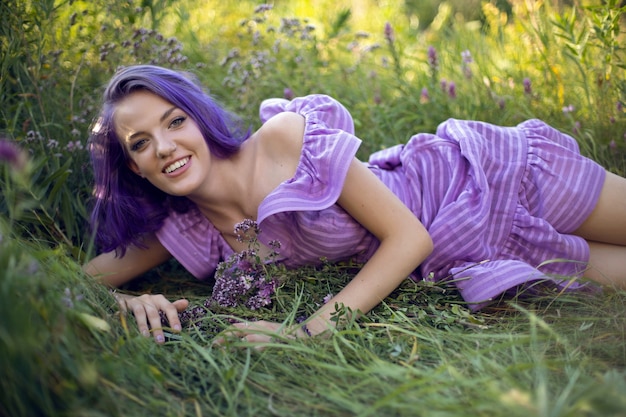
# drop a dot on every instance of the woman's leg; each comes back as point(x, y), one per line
point(605, 230)
point(607, 222)
point(607, 264)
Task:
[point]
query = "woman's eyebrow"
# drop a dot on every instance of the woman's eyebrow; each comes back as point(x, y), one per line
point(163, 117)
point(167, 113)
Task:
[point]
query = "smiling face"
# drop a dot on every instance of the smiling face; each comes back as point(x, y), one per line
point(163, 143)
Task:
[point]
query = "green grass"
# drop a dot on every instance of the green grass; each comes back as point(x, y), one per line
point(65, 349)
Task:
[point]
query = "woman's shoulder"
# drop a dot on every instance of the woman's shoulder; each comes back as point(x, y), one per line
point(319, 107)
point(282, 134)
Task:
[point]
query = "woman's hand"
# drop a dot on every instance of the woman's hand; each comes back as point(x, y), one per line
point(146, 309)
point(260, 332)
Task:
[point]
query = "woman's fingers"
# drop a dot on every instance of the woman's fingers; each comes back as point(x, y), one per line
point(172, 313)
point(147, 310)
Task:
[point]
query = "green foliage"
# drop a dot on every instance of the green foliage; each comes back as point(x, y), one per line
point(66, 350)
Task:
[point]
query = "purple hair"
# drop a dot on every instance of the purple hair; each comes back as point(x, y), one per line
point(126, 205)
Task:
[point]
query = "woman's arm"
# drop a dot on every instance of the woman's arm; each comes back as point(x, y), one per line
point(115, 271)
point(404, 244)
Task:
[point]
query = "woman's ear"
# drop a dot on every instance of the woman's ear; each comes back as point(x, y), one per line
point(133, 167)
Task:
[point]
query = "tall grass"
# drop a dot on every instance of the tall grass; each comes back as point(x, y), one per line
point(401, 68)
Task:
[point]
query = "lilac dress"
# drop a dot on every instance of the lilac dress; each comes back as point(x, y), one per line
point(499, 202)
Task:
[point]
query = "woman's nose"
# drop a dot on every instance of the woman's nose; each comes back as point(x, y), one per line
point(165, 148)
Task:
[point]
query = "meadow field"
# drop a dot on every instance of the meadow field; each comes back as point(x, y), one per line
point(400, 67)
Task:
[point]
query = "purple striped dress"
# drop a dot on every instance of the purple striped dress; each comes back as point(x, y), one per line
point(499, 202)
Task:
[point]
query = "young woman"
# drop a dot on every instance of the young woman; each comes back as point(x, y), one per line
point(490, 208)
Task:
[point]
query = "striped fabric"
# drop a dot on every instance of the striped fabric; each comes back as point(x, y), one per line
point(499, 202)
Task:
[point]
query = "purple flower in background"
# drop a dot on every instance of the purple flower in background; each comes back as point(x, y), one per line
point(528, 88)
point(288, 93)
point(11, 154)
point(433, 61)
point(467, 59)
point(569, 109)
point(263, 8)
point(389, 35)
point(452, 89)
point(424, 96)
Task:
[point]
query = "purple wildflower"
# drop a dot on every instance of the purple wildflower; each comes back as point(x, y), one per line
point(569, 109)
point(11, 154)
point(327, 298)
point(288, 93)
point(452, 89)
point(424, 96)
point(242, 279)
point(433, 61)
point(263, 8)
point(528, 89)
point(69, 299)
point(247, 230)
point(389, 34)
point(467, 59)
point(619, 106)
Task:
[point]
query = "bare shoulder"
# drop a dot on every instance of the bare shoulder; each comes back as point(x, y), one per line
point(282, 135)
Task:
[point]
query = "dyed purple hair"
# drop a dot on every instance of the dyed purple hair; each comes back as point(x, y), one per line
point(126, 205)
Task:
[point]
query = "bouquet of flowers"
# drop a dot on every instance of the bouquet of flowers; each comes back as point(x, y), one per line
point(243, 278)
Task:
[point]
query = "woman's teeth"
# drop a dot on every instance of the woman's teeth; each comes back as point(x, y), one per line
point(176, 165)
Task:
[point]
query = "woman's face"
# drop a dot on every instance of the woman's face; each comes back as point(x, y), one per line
point(164, 144)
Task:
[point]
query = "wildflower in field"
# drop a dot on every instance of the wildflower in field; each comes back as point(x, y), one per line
point(433, 61)
point(424, 96)
point(452, 89)
point(619, 106)
point(467, 59)
point(528, 89)
point(569, 109)
point(12, 155)
point(69, 298)
point(288, 93)
point(389, 34)
point(74, 146)
point(263, 8)
point(327, 298)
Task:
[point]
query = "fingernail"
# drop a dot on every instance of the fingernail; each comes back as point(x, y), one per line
point(145, 332)
point(177, 327)
point(160, 338)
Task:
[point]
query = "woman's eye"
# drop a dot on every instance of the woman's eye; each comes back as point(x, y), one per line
point(138, 145)
point(177, 122)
